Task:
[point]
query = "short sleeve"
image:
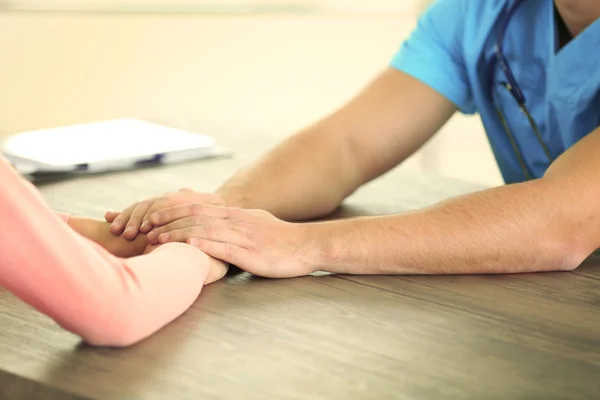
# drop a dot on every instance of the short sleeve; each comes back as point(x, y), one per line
point(433, 53)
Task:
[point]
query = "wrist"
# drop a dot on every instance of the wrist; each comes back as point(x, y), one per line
point(326, 245)
point(86, 227)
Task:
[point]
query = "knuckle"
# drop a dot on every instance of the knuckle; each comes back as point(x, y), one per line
point(210, 230)
point(230, 249)
point(197, 220)
point(196, 209)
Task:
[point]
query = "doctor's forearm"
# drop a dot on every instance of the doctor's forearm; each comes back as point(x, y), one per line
point(511, 229)
point(305, 177)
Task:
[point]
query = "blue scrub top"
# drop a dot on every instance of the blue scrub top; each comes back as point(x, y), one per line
point(451, 50)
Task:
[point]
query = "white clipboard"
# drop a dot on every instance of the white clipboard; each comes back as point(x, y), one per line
point(105, 146)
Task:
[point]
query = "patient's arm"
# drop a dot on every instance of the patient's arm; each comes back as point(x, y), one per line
point(105, 299)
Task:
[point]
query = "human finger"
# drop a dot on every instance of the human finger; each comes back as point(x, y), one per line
point(182, 223)
point(132, 227)
point(168, 215)
point(212, 232)
point(118, 225)
point(110, 216)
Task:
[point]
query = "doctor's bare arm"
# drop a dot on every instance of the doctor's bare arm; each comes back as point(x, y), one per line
point(547, 224)
point(309, 174)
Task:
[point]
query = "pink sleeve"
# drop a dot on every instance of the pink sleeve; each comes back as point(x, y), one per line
point(88, 291)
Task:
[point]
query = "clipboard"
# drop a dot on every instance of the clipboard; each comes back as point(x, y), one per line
point(105, 146)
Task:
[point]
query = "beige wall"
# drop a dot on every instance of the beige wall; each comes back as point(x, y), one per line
point(272, 73)
point(337, 6)
point(253, 75)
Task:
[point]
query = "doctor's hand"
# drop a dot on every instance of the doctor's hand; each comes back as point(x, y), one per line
point(253, 240)
point(136, 218)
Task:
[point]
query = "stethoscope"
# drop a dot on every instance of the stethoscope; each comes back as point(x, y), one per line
point(514, 89)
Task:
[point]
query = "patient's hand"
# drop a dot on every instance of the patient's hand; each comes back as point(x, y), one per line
point(136, 218)
point(218, 268)
point(98, 231)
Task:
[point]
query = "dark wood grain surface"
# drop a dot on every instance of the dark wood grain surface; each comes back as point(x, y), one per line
point(534, 336)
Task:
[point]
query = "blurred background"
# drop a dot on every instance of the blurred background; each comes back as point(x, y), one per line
point(237, 66)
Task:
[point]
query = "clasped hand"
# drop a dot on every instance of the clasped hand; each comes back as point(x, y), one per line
point(253, 240)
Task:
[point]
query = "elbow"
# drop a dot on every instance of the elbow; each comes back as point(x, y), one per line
point(569, 219)
point(568, 261)
point(566, 236)
point(567, 254)
point(117, 328)
point(123, 336)
point(572, 259)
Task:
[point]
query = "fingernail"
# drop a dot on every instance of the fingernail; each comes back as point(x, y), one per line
point(144, 225)
point(193, 241)
point(129, 229)
point(163, 237)
point(115, 225)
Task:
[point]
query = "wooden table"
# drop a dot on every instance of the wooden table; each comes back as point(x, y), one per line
point(321, 337)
